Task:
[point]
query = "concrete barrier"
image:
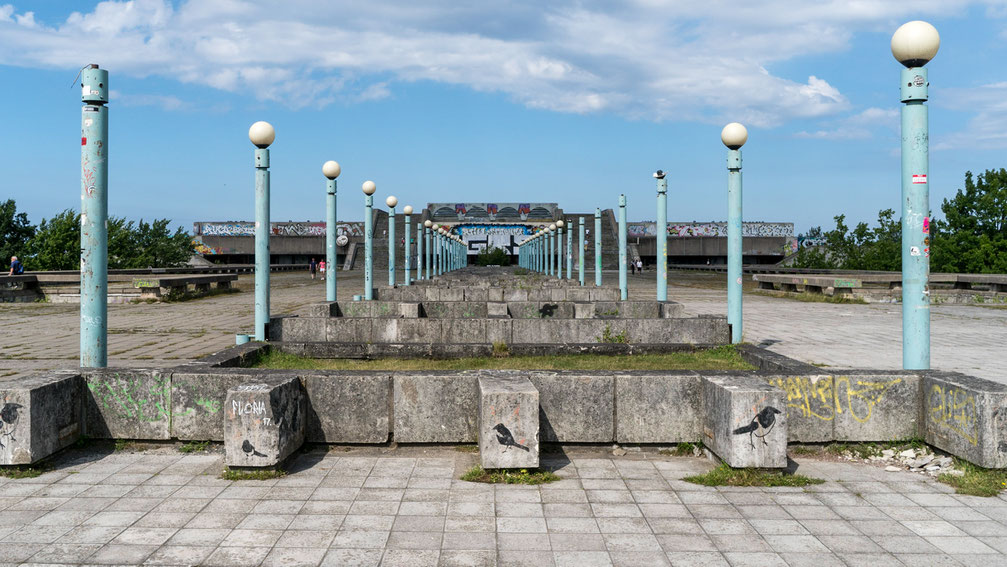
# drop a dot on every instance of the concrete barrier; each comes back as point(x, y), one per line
point(745, 421)
point(263, 422)
point(966, 416)
point(658, 407)
point(128, 403)
point(40, 415)
point(435, 407)
point(508, 422)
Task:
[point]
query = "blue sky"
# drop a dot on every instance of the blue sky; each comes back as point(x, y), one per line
point(447, 100)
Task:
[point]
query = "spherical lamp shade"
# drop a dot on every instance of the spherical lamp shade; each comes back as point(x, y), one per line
point(408, 209)
point(368, 187)
point(331, 169)
point(734, 135)
point(560, 223)
point(391, 201)
point(262, 134)
point(427, 223)
point(915, 43)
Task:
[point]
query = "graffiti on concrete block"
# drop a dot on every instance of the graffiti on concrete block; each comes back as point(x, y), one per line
point(127, 397)
point(245, 228)
point(712, 229)
point(827, 397)
point(953, 409)
point(760, 426)
point(506, 438)
point(8, 422)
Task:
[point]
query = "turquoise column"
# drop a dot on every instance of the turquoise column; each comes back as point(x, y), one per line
point(428, 260)
point(597, 247)
point(262, 135)
point(734, 136)
point(569, 252)
point(330, 170)
point(914, 44)
point(623, 287)
point(662, 236)
point(368, 188)
point(405, 233)
point(94, 218)
point(391, 201)
point(549, 245)
point(559, 249)
point(580, 250)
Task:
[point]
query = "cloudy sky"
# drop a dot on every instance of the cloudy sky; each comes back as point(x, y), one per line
point(448, 100)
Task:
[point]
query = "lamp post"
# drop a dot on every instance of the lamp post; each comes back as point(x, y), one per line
point(914, 44)
point(368, 188)
point(261, 135)
point(391, 201)
point(406, 211)
point(597, 247)
point(580, 250)
point(330, 170)
point(559, 248)
point(428, 260)
point(435, 248)
point(550, 249)
point(734, 136)
point(662, 235)
point(623, 288)
point(419, 250)
point(569, 252)
point(94, 218)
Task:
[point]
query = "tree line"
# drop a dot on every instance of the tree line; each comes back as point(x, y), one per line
point(54, 244)
point(971, 238)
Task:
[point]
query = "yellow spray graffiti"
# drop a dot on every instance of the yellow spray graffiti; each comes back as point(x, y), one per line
point(954, 410)
point(825, 398)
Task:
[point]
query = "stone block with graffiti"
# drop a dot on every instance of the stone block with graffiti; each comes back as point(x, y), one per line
point(263, 422)
point(40, 415)
point(198, 402)
point(508, 422)
point(966, 416)
point(854, 406)
point(128, 403)
point(745, 422)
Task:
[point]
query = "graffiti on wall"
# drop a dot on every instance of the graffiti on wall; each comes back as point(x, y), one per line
point(478, 236)
point(712, 229)
point(954, 410)
point(827, 397)
point(492, 211)
point(276, 228)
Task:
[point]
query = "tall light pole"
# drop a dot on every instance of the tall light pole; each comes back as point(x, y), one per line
point(429, 258)
point(419, 250)
point(94, 218)
point(261, 135)
point(330, 170)
point(662, 235)
point(914, 44)
point(569, 252)
point(734, 136)
point(391, 201)
point(406, 211)
point(559, 249)
point(550, 249)
point(623, 288)
point(368, 188)
point(580, 250)
point(597, 247)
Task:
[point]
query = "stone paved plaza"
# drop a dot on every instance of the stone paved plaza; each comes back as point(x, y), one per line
point(965, 338)
point(406, 507)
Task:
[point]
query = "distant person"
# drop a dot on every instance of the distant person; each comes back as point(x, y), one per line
point(16, 267)
point(632, 267)
point(321, 269)
point(312, 267)
point(639, 266)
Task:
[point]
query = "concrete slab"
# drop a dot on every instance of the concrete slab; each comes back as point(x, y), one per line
point(127, 403)
point(966, 416)
point(575, 407)
point(435, 408)
point(508, 421)
point(658, 407)
point(348, 408)
point(745, 421)
point(263, 422)
point(40, 415)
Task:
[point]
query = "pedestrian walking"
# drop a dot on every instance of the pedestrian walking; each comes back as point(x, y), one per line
point(639, 266)
point(632, 267)
point(321, 269)
point(312, 267)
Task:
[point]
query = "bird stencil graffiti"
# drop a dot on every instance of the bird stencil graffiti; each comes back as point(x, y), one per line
point(249, 449)
point(760, 426)
point(506, 438)
point(8, 419)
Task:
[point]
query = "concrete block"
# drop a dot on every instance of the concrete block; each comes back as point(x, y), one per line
point(412, 294)
point(604, 293)
point(583, 311)
point(745, 421)
point(464, 331)
point(409, 310)
point(495, 294)
point(578, 294)
point(263, 422)
point(498, 331)
point(656, 407)
point(198, 400)
point(385, 330)
point(557, 294)
point(348, 408)
point(497, 310)
point(127, 403)
point(358, 309)
point(454, 310)
point(419, 330)
point(475, 294)
point(512, 294)
point(450, 294)
point(575, 407)
point(508, 421)
point(41, 414)
point(298, 329)
point(435, 408)
point(671, 310)
point(327, 309)
point(343, 330)
point(966, 416)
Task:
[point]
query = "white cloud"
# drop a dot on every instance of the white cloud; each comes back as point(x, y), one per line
point(165, 102)
point(859, 126)
point(987, 129)
point(649, 59)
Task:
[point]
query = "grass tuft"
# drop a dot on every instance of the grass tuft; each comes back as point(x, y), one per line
point(21, 471)
point(976, 481)
point(242, 474)
point(194, 447)
point(686, 449)
point(727, 476)
point(720, 358)
point(509, 476)
point(467, 448)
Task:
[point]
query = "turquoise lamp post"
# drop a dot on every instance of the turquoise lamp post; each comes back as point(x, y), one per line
point(662, 235)
point(261, 134)
point(368, 188)
point(406, 211)
point(623, 286)
point(330, 170)
point(391, 201)
point(734, 136)
point(94, 218)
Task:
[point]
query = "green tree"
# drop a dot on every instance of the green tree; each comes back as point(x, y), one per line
point(157, 247)
point(972, 238)
point(15, 232)
point(56, 245)
point(493, 256)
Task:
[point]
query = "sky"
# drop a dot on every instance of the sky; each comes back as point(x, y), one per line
point(567, 101)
